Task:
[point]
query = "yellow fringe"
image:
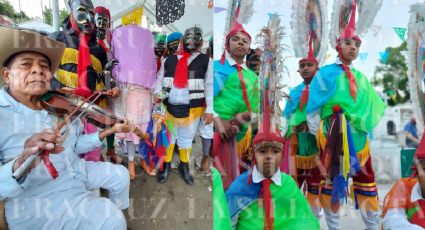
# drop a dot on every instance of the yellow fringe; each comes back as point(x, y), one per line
point(304, 162)
point(363, 155)
point(321, 140)
point(243, 145)
point(346, 153)
point(194, 113)
point(70, 79)
point(70, 56)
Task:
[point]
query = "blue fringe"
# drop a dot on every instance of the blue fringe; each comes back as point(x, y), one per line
point(354, 161)
point(339, 188)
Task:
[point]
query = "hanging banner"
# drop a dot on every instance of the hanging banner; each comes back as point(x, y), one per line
point(133, 18)
point(363, 57)
point(218, 9)
point(384, 56)
point(401, 33)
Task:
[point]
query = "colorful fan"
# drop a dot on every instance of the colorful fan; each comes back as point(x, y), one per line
point(367, 10)
point(272, 69)
point(416, 60)
point(309, 18)
point(238, 10)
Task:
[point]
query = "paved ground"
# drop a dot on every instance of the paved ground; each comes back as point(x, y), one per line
point(173, 205)
point(386, 164)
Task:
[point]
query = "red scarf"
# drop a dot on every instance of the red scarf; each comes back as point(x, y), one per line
point(351, 81)
point(243, 85)
point(102, 43)
point(304, 97)
point(268, 205)
point(182, 73)
point(158, 64)
point(83, 61)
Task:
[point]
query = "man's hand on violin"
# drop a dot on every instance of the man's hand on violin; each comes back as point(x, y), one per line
point(118, 127)
point(45, 140)
point(124, 127)
point(114, 92)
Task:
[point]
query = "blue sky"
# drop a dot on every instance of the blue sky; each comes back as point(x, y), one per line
point(393, 13)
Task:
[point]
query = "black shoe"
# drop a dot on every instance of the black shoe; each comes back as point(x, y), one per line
point(163, 176)
point(184, 171)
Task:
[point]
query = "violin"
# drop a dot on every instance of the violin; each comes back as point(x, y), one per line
point(60, 105)
point(72, 108)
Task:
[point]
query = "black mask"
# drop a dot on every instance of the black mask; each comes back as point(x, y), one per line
point(173, 46)
point(102, 25)
point(159, 49)
point(83, 13)
point(192, 39)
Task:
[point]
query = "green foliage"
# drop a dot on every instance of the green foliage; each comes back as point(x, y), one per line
point(47, 15)
point(7, 9)
point(392, 76)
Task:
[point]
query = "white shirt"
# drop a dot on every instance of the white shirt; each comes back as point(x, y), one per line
point(339, 62)
point(257, 177)
point(232, 61)
point(208, 80)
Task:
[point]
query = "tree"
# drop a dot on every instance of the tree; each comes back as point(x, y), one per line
point(47, 15)
point(392, 76)
point(7, 9)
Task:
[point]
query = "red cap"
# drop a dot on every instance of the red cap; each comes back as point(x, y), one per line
point(101, 9)
point(310, 55)
point(266, 132)
point(237, 28)
point(350, 30)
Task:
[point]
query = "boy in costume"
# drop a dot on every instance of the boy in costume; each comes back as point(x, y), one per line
point(266, 198)
point(236, 101)
point(303, 145)
point(342, 108)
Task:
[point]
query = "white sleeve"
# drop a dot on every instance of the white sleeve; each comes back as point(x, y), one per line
point(159, 78)
point(208, 84)
point(396, 219)
point(313, 122)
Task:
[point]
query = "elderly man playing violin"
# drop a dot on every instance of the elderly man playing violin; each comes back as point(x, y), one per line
point(54, 192)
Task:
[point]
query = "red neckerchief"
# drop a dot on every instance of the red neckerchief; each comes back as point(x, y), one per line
point(83, 61)
point(158, 63)
point(182, 73)
point(102, 43)
point(243, 85)
point(304, 97)
point(351, 81)
point(268, 204)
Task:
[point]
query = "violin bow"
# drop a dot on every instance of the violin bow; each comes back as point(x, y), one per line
point(19, 172)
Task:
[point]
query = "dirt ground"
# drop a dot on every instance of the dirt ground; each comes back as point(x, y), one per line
point(173, 205)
